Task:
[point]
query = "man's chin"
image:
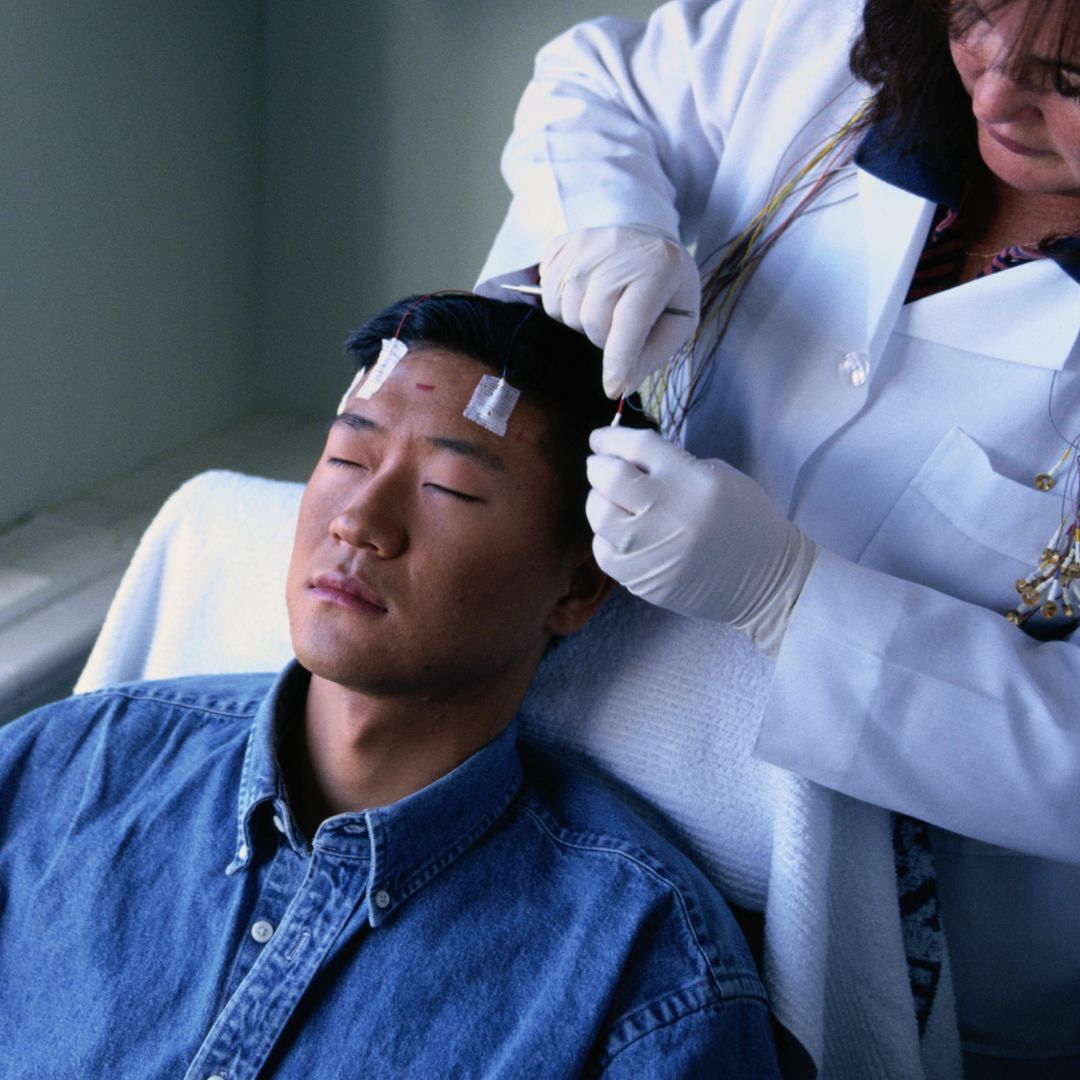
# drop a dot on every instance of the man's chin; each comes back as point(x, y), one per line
point(367, 676)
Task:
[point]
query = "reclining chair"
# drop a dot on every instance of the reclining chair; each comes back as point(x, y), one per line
point(661, 707)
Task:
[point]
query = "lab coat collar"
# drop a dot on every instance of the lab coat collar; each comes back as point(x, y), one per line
point(896, 162)
point(1068, 247)
point(895, 224)
point(1029, 314)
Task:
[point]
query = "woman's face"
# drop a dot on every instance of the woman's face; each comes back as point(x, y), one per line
point(1029, 126)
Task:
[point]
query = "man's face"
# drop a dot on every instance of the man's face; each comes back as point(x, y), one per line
point(424, 556)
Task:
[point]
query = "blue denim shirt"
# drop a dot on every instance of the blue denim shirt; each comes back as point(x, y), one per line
point(162, 915)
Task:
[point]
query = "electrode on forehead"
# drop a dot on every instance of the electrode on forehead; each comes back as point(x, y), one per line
point(390, 355)
point(357, 379)
point(492, 403)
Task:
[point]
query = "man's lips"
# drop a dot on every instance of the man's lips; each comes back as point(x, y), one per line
point(347, 592)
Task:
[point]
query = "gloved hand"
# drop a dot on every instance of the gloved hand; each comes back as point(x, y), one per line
point(694, 536)
point(612, 284)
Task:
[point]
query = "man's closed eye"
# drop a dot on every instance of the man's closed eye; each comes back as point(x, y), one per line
point(441, 489)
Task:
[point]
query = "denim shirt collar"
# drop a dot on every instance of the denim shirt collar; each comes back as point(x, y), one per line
point(896, 163)
point(408, 842)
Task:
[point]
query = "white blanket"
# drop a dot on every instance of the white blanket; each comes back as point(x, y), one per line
point(662, 707)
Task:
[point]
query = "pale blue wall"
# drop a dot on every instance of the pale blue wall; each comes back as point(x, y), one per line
point(201, 198)
point(384, 124)
point(324, 209)
point(128, 152)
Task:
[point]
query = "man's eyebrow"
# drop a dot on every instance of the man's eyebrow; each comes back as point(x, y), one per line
point(491, 462)
point(356, 422)
point(464, 448)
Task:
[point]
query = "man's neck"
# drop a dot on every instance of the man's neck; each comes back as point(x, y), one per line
point(353, 751)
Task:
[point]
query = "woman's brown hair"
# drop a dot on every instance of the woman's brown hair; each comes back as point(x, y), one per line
point(920, 103)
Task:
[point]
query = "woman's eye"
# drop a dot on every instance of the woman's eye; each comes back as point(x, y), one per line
point(1067, 85)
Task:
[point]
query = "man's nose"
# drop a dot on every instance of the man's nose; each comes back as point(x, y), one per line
point(374, 517)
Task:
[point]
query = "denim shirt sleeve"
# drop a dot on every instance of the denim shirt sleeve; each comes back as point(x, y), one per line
point(731, 1038)
point(37, 745)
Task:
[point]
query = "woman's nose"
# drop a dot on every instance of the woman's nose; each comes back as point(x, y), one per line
point(374, 518)
point(997, 98)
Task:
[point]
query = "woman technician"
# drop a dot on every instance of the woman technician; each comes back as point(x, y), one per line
point(888, 355)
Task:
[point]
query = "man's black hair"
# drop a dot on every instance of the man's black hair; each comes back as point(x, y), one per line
point(556, 368)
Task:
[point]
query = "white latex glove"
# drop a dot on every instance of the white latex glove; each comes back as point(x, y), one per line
point(613, 284)
point(694, 536)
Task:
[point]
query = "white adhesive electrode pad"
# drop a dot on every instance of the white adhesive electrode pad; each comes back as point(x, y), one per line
point(390, 355)
point(357, 378)
point(492, 403)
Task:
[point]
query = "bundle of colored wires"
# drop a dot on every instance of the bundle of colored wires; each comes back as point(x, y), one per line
point(671, 393)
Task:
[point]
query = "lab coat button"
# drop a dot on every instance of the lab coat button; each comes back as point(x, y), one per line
point(262, 931)
point(855, 368)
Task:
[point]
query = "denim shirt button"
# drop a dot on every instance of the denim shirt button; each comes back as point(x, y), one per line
point(382, 899)
point(216, 1076)
point(262, 931)
point(279, 824)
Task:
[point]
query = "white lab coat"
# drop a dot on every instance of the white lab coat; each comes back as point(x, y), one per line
point(898, 682)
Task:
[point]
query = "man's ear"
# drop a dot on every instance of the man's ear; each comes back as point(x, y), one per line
point(587, 589)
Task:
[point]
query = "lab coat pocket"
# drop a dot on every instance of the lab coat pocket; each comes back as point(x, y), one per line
point(964, 529)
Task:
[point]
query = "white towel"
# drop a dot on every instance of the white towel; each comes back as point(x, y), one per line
point(662, 707)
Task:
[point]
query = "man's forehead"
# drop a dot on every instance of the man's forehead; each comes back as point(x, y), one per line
point(430, 391)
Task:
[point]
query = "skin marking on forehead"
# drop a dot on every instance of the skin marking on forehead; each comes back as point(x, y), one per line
point(428, 395)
